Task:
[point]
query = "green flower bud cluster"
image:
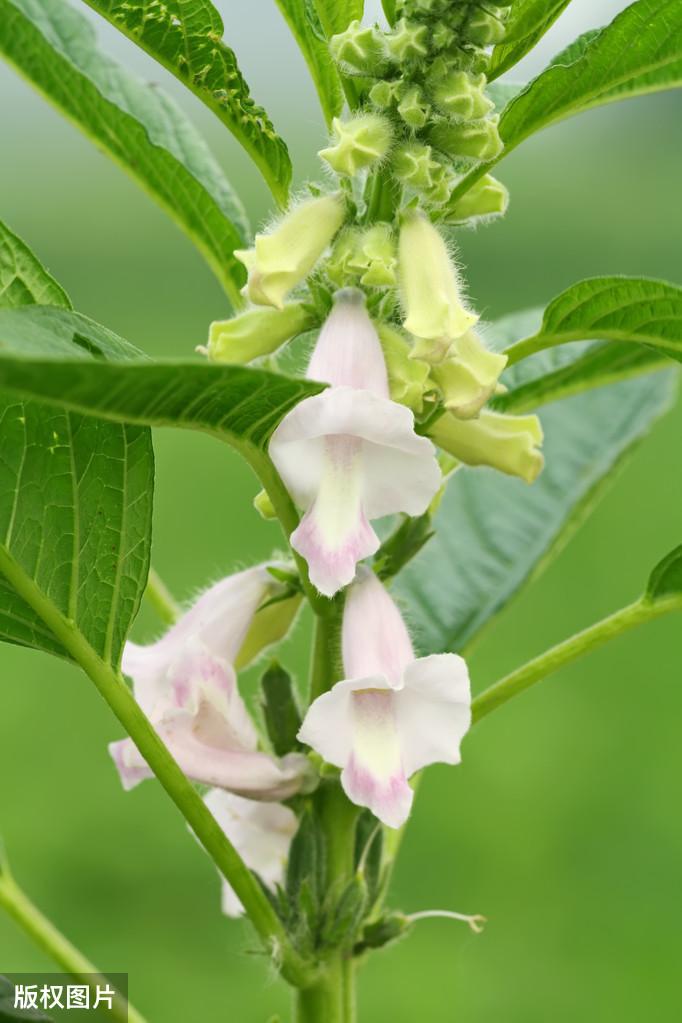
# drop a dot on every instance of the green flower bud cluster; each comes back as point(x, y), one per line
point(424, 106)
point(364, 257)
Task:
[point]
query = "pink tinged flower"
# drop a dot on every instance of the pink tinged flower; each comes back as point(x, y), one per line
point(350, 454)
point(393, 714)
point(261, 834)
point(187, 686)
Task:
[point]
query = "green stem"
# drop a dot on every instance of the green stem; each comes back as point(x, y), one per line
point(113, 688)
point(570, 650)
point(58, 948)
point(383, 196)
point(326, 656)
point(161, 599)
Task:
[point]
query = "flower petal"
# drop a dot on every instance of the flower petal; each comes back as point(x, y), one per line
point(400, 472)
point(218, 621)
point(375, 640)
point(374, 775)
point(348, 352)
point(353, 727)
point(251, 774)
point(261, 833)
point(433, 711)
point(334, 533)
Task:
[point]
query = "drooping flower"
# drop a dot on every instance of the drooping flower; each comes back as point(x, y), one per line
point(281, 258)
point(350, 454)
point(393, 713)
point(434, 310)
point(255, 333)
point(510, 444)
point(260, 832)
point(187, 686)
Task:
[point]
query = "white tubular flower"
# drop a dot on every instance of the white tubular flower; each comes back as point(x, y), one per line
point(350, 454)
point(260, 832)
point(393, 714)
point(187, 686)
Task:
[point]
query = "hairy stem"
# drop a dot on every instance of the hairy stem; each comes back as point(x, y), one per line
point(58, 948)
point(570, 650)
point(160, 598)
point(112, 687)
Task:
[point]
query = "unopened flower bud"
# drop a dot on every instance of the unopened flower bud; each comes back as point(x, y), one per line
point(359, 47)
point(407, 377)
point(264, 505)
point(461, 95)
point(487, 198)
point(429, 283)
point(383, 94)
point(367, 257)
point(484, 28)
point(376, 255)
point(407, 42)
point(468, 377)
point(507, 443)
point(282, 258)
point(479, 140)
point(256, 332)
point(442, 36)
point(413, 108)
point(360, 142)
point(414, 165)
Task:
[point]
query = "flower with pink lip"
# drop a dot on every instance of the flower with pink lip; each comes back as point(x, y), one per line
point(393, 713)
point(187, 686)
point(350, 454)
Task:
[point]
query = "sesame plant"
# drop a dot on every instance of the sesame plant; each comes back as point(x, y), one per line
point(422, 464)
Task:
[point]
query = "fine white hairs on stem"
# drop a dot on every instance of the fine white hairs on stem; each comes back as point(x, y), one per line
point(475, 921)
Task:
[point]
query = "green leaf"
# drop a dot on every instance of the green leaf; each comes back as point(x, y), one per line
point(23, 280)
point(307, 860)
point(493, 533)
point(306, 28)
point(75, 493)
point(186, 36)
point(10, 1014)
point(280, 709)
point(336, 15)
point(527, 23)
point(666, 579)
point(630, 309)
point(638, 53)
point(137, 124)
point(55, 356)
point(565, 372)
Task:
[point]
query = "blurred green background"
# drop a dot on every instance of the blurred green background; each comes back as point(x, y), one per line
point(563, 824)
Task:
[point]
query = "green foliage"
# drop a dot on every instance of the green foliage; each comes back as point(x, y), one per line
point(9, 1014)
point(336, 15)
point(75, 492)
point(136, 124)
point(666, 579)
point(494, 533)
point(526, 24)
point(402, 545)
point(280, 709)
point(639, 52)
point(23, 281)
point(54, 355)
point(186, 37)
point(568, 371)
point(307, 29)
point(611, 308)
